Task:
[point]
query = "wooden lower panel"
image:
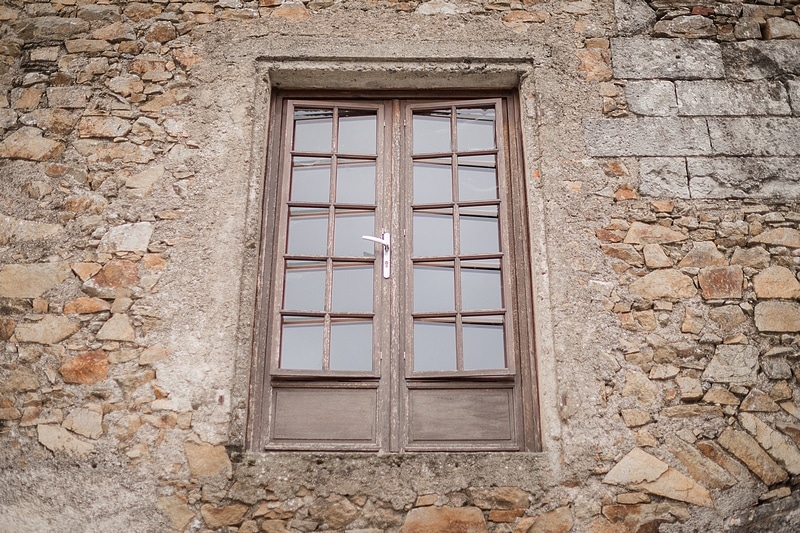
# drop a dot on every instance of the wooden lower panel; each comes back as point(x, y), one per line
point(324, 415)
point(461, 415)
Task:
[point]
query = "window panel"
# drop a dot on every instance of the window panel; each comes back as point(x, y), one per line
point(481, 285)
point(311, 179)
point(313, 130)
point(434, 345)
point(475, 129)
point(350, 226)
point(434, 287)
point(480, 231)
point(301, 343)
point(433, 233)
point(431, 131)
point(355, 181)
point(484, 346)
point(351, 345)
point(304, 287)
point(352, 288)
point(433, 181)
point(477, 178)
point(308, 231)
point(357, 133)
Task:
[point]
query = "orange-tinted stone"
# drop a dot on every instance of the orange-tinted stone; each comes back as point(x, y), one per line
point(86, 368)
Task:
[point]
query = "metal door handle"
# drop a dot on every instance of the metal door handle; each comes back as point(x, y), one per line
point(384, 240)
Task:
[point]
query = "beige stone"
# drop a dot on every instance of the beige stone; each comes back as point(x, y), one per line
point(755, 257)
point(127, 238)
point(126, 85)
point(461, 519)
point(556, 521)
point(116, 274)
point(641, 471)
point(335, 511)
point(176, 509)
point(775, 443)
point(776, 282)
point(638, 385)
point(640, 233)
point(721, 282)
point(229, 515)
point(499, 498)
point(623, 252)
point(207, 461)
point(720, 396)
point(7, 328)
point(86, 304)
point(734, 364)
point(28, 143)
point(56, 120)
point(654, 256)
point(727, 317)
point(788, 237)
point(520, 16)
point(664, 371)
point(58, 440)
point(86, 422)
point(49, 330)
point(758, 400)
point(716, 453)
point(99, 126)
point(703, 254)
point(19, 230)
point(274, 526)
point(292, 11)
point(117, 328)
point(28, 99)
point(692, 321)
point(142, 183)
point(153, 354)
point(747, 450)
point(87, 46)
point(86, 368)
point(668, 284)
point(115, 32)
point(699, 466)
point(691, 388)
point(20, 380)
point(635, 417)
point(85, 270)
point(68, 97)
point(504, 516)
point(137, 11)
point(632, 498)
point(595, 65)
point(97, 151)
point(778, 316)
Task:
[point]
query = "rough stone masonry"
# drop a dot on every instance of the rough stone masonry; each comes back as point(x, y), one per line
point(661, 143)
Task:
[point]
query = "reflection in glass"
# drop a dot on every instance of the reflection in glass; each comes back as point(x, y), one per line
point(434, 345)
point(433, 181)
point(475, 129)
point(434, 288)
point(481, 286)
point(313, 130)
point(349, 227)
point(311, 179)
point(301, 343)
point(304, 289)
point(433, 233)
point(351, 345)
point(352, 288)
point(431, 131)
point(483, 346)
point(477, 178)
point(355, 182)
point(480, 232)
point(357, 131)
point(308, 231)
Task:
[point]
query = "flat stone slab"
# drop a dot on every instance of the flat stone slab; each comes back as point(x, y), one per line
point(750, 177)
point(721, 97)
point(644, 58)
point(31, 281)
point(733, 364)
point(461, 519)
point(127, 238)
point(747, 450)
point(49, 330)
point(646, 136)
point(666, 283)
point(778, 317)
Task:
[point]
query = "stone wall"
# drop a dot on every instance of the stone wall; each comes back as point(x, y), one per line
point(662, 188)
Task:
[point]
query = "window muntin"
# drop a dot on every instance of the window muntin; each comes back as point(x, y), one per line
point(440, 326)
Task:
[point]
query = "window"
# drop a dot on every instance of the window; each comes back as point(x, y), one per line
point(394, 299)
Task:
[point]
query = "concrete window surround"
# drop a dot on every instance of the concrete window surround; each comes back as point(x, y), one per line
point(375, 74)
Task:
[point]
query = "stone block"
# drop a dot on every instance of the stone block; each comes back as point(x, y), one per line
point(207, 461)
point(642, 58)
point(663, 177)
point(667, 284)
point(788, 237)
point(556, 521)
point(778, 317)
point(67, 97)
point(747, 450)
point(641, 233)
point(776, 282)
point(750, 177)
point(49, 330)
point(499, 498)
point(98, 126)
point(117, 328)
point(647, 136)
point(794, 95)
point(737, 365)
point(634, 17)
point(86, 422)
point(755, 136)
point(57, 439)
point(699, 466)
point(718, 97)
point(756, 60)
point(651, 97)
point(127, 238)
point(462, 519)
point(703, 254)
point(708, 412)
point(781, 28)
point(86, 368)
point(28, 143)
point(228, 515)
point(687, 26)
point(721, 282)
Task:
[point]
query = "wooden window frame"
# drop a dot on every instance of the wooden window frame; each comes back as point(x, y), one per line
point(517, 283)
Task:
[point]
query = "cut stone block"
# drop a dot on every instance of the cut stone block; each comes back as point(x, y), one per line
point(644, 58)
point(647, 136)
point(749, 177)
point(754, 136)
point(663, 177)
point(718, 97)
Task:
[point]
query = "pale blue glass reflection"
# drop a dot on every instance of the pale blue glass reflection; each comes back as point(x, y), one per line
point(301, 344)
point(434, 346)
point(351, 345)
point(484, 346)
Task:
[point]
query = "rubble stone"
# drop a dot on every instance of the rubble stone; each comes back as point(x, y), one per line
point(49, 330)
point(59, 440)
point(31, 281)
point(721, 282)
point(778, 316)
point(463, 519)
point(666, 284)
point(747, 450)
point(86, 368)
point(776, 282)
point(777, 445)
point(733, 364)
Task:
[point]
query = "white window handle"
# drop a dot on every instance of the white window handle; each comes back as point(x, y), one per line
point(386, 241)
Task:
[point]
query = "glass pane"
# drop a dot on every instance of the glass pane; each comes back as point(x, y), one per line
point(483, 346)
point(313, 130)
point(433, 181)
point(431, 131)
point(350, 226)
point(308, 231)
point(475, 129)
point(305, 286)
point(477, 178)
point(433, 233)
point(355, 183)
point(357, 132)
point(351, 345)
point(480, 232)
point(434, 346)
point(311, 179)
point(481, 285)
point(301, 343)
point(352, 288)
point(434, 288)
